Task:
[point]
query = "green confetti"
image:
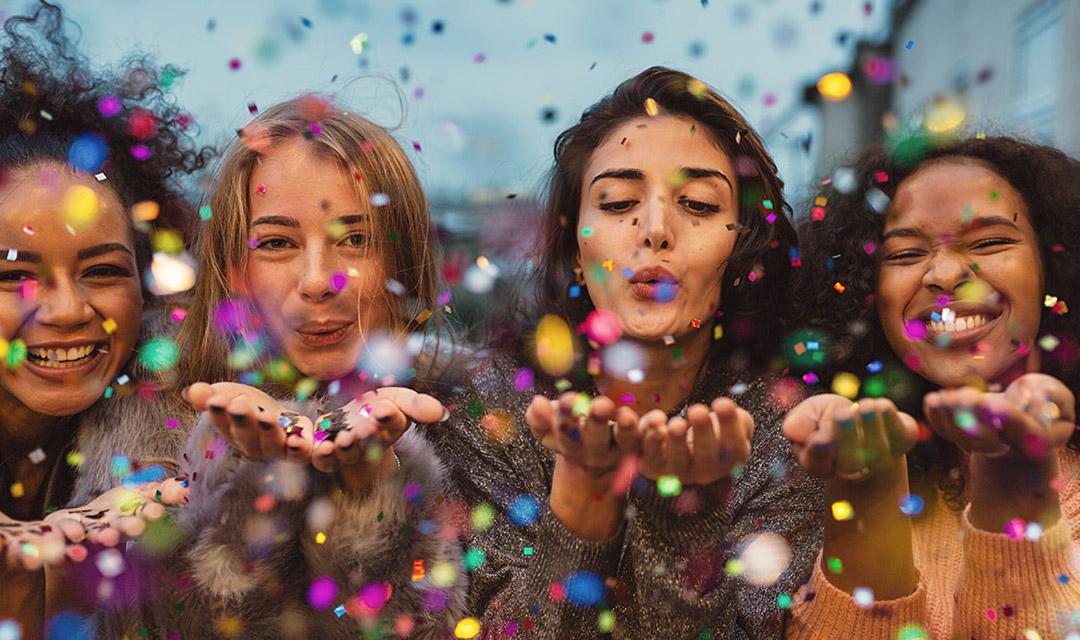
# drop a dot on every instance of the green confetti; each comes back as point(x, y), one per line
point(668, 486)
point(527, 551)
point(586, 232)
point(482, 516)
point(783, 600)
point(836, 565)
point(473, 559)
point(204, 212)
point(16, 354)
point(159, 353)
point(605, 622)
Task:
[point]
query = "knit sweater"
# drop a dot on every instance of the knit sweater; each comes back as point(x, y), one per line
point(662, 575)
point(972, 583)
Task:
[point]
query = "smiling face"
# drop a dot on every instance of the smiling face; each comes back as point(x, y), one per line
point(59, 290)
point(315, 271)
point(653, 236)
point(960, 277)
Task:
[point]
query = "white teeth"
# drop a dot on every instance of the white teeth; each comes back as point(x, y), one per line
point(954, 324)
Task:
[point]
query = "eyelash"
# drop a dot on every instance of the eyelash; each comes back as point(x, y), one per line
point(977, 245)
point(98, 271)
point(695, 207)
point(265, 244)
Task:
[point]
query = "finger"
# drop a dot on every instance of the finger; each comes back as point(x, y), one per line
point(627, 437)
point(271, 436)
point(197, 395)
point(131, 526)
point(733, 441)
point(596, 435)
point(419, 407)
point(152, 511)
point(540, 416)
point(243, 427)
point(650, 427)
point(678, 451)
point(71, 528)
point(346, 448)
point(702, 437)
point(172, 491)
point(876, 451)
point(297, 449)
point(390, 421)
point(322, 457)
point(215, 409)
point(901, 430)
point(818, 455)
point(850, 459)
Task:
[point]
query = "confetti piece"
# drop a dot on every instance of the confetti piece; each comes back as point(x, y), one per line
point(473, 559)
point(159, 353)
point(379, 200)
point(583, 588)
point(910, 44)
point(668, 486)
point(15, 353)
point(358, 43)
point(322, 592)
point(467, 628)
point(835, 565)
point(648, 37)
point(17, 490)
point(554, 345)
point(234, 63)
point(651, 107)
point(523, 511)
point(764, 557)
point(37, 455)
point(842, 511)
point(783, 600)
point(863, 597)
point(88, 152)
point(834, 86)
point(80, 206)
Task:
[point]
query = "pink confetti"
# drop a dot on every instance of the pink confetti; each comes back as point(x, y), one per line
point(479, 58)
point(416, 146)
point(28, 230)
point(322, 592)
point(915, 329)
point(172, 423)
point(178, 314)
point(234, 64)
point(109, 106)
point(524, 378)
point(141, 152)
point(869, 248)
point(338, 281)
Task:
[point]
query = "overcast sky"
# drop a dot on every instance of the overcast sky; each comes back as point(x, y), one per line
point(477, 76)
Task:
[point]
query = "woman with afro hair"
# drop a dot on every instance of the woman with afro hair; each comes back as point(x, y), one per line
point(89, 168)
point(941, 273)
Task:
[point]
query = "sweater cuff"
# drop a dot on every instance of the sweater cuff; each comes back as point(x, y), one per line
point(1003, 562)
point(821, 610)
point(696, 515)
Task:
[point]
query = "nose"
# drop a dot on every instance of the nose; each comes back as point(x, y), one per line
point(946, 271)
point(62, 304)
point(654, 226)
point(315, 285)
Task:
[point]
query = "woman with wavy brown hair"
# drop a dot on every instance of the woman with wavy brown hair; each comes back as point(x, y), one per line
point(945, 269)
point(659, 500)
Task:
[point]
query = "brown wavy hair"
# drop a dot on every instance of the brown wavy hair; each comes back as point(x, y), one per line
point(754, 313)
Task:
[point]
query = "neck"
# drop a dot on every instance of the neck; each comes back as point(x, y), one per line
point(670, 373)
point(22, 431)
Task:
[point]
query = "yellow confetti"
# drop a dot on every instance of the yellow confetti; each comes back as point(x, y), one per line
point(75, 458)
point(4, 347)
point(320, 538)
point(609, 264)
point(554, 345)
point(17, 490)
point(944, 115)
point(443, 574)
point(651, 107)
point(696, 88)
point(109, 325)
point(846, 384)
point(834, 86)
point(842, 511)
point(80, 206)
point(467, 628)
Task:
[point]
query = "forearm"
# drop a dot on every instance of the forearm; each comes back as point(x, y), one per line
point(583, 503)
point(1010, 487)
point(874, 545)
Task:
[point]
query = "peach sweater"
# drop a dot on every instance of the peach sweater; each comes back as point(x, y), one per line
point(972, 583)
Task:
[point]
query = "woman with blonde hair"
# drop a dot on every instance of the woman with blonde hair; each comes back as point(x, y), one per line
point(316, 264)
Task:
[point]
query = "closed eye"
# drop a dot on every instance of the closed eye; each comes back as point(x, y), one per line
point(698, 207)
point(899, 256)
point(617, 206)
point(992, 242)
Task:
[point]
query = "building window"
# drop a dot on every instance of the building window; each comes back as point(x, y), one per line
point(1039, 41)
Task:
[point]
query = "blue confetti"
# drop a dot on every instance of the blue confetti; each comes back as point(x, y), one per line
point(911, 505)
point(584, 589)
point(339, 610)
point(875, 366)
point(910, 44)
point(88, 153)
point(524, 510)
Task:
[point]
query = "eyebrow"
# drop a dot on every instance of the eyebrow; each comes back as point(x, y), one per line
point(286, 221)
point(102, 249)
point(83, 254)
point(691, 173)
point(971, 225)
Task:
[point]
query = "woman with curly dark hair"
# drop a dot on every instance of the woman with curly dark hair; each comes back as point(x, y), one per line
point(88, 168)
point(667, 243)
point(952, 261)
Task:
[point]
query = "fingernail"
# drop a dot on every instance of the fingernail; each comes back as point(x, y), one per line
point(265, 426)
point(216, 409)
point(383, 418)
point(445, 415)
point(348, 446)
point(237, 417)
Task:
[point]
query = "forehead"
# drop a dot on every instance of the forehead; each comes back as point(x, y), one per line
point(662, 143)
point(38, 205)
point(292, 174)
point(945, 195)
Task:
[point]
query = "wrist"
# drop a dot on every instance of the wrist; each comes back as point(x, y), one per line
point(1010, 487)
point(583, 501)
point(359, 480)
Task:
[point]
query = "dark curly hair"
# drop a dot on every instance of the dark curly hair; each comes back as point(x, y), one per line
point(49, 97)
point(835, 249)
point(755, 310)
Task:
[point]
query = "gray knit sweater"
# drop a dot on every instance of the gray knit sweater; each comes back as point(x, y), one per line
point(664, 571)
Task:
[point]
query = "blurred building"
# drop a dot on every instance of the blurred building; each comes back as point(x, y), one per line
point(1004, 66)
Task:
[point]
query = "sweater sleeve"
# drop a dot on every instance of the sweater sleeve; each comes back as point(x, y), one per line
point(397, 548)
point(1008, 585)
point(821, 611)
point(678, 549)
point(536, 578)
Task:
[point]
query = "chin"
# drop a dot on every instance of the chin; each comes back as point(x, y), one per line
point(64, 404)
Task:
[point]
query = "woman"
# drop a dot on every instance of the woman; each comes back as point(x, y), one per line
point(954, 259)
point(666, 242)
point(315, 211)
point(71, 294)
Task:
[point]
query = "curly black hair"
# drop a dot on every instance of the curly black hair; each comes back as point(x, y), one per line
point(50, 96)
point(840, 247)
